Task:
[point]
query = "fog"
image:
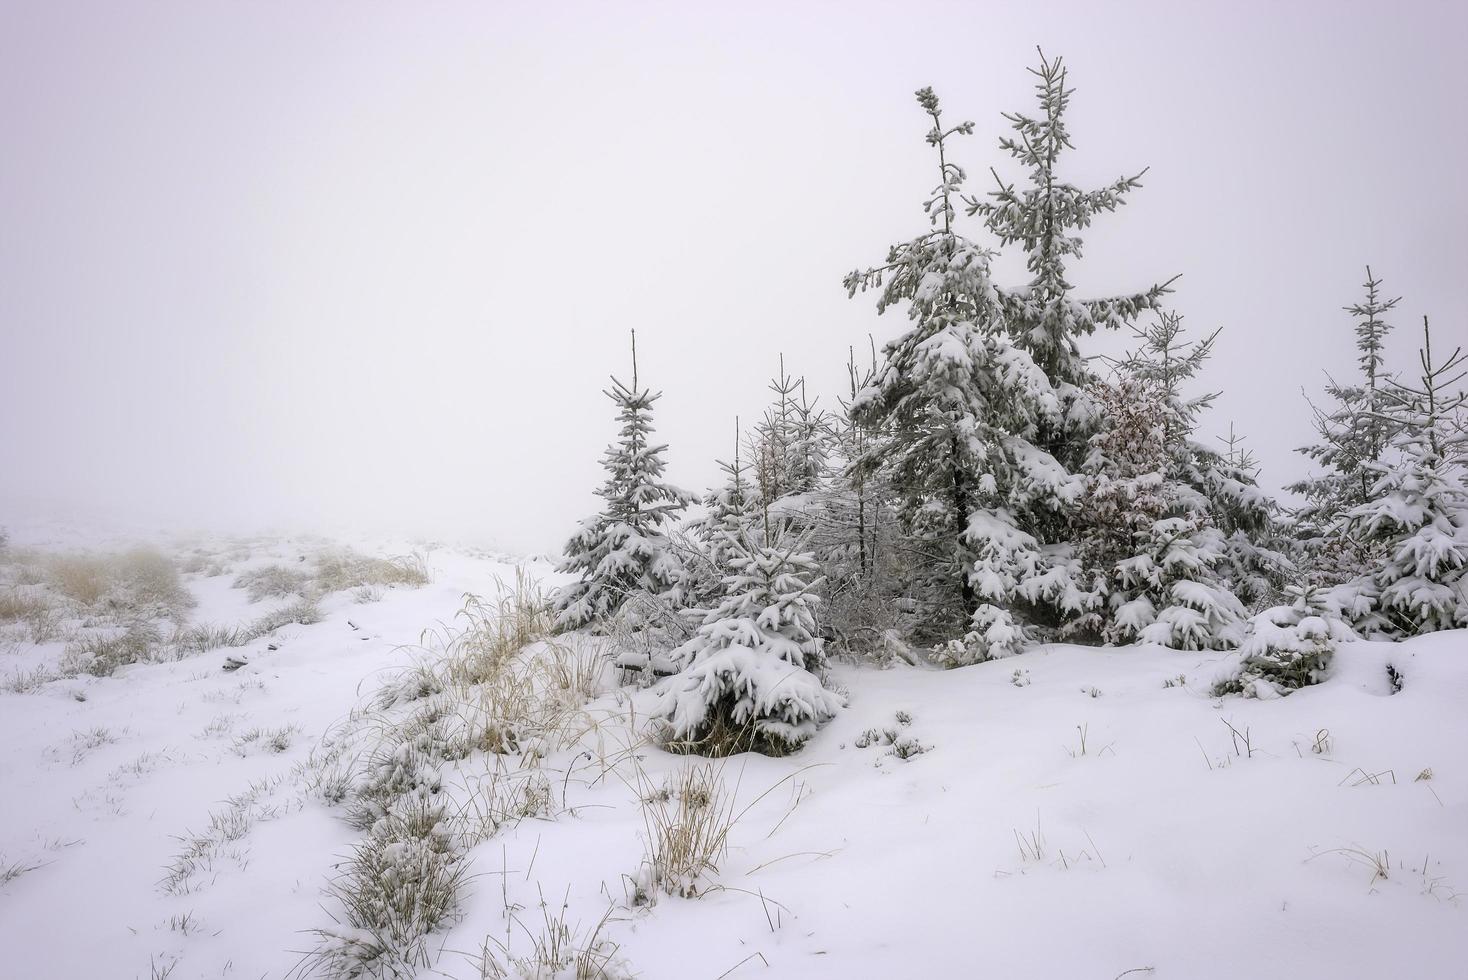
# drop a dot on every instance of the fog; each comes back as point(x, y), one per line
point(326, 264)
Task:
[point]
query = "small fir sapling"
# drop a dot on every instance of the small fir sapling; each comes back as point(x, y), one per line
point(731, 511)
point(772, 442)
point(1286, 647)
point(624, 552)
point(747, 682)
point(790, 449)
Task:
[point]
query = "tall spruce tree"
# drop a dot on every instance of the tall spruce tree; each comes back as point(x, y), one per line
point(1046, 320)
point(983, 403)
point(950, 408)
point(1354, 432)
point(624, 552)
point(1044, 316)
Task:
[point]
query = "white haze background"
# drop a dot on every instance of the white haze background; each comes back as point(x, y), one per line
point(321, 264)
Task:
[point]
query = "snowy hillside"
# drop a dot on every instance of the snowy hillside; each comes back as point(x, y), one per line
point(240, 801)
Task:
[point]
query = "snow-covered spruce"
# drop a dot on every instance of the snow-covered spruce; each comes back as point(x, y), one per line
point(704, 544)
point(790, 446)
point(1354, 434)
point(731, 513)
point(1417, 517)
point(624, 552)
point(982, 404)
point(1286, 647)
point(1251, 563)
point(747, 682)
point(948, 404)
point(1148, 540)
point(1176, 536)
point(840, 511)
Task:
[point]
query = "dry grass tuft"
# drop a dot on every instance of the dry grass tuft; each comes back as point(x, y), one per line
point(302, 612)
point(401, 883)
point(100, 654)
point(11, 870)
point(687, 824)
point(26, 681)
point(150, 578)
point(491, 634)
point(34, 609)
point(557, 950)
point(491, 687)
point(338, 571)
point(203, 637)
point(273, 582)
point(687, 821)
point(81, 578)
point(18, 605)
point(140, 581)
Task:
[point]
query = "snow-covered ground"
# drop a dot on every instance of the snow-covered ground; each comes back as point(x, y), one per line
point(1071, 812)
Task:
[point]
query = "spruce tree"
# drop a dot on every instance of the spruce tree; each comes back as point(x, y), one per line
point(1148, 538)
point(1416, 517)
point(771, 442)
point(731, 512)
point(1286, 647)
point(747, 681)
point(1257, 558)
point(624, 551)
point(791, 444)
point(983, 403)
point(1250, 563)
point(1046, 320)
point(1044, 317)
point(850, 442)
point(1354, 433)
point(950, 408)
point(846, 523)
point(809, 446)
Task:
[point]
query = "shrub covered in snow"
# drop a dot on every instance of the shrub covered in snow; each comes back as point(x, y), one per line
point(747, 683)
point(273, 582)
point(1286, 647)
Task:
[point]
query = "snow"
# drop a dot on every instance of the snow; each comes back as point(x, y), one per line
point(1067, 812)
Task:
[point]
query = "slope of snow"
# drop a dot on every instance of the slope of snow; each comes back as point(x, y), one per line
point(1070, 812)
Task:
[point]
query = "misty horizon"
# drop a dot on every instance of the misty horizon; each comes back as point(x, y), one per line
point(376, 268)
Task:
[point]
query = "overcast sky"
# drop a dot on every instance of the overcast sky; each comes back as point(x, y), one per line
point(322, 264)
